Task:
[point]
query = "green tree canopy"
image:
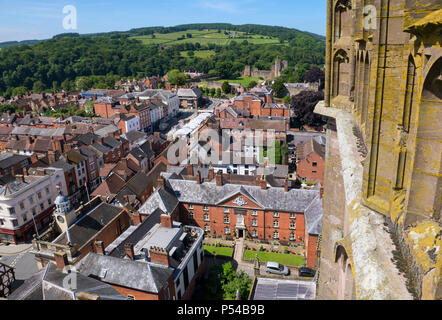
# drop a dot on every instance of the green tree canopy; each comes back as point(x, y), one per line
point(177, 78)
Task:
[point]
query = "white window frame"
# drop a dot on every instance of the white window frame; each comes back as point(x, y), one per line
point(275, 224)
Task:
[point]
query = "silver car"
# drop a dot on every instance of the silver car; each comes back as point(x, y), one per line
point(276, 268)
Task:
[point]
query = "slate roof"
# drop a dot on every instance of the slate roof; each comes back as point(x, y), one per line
point(160, 199)
point(85, 228)
point(111, 142)
point(32, 131)
point(48, 285)
point(147, 277)
point(193, 93)
point(133, 136)
point(138, 183)
point(116, 249)
point(295, 200)
point(100, 148)
point(87, 138)
point(138, 154)
point(10, 159)
point(313, 217)
point(105, 131)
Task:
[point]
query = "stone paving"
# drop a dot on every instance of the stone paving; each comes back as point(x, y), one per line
point(12, 249)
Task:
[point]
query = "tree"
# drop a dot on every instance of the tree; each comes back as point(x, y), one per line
point(38, 87)
point(279, 88)
point(19, 91)
point(218, 93)
point(252, 84)
point(212, 92)
point(315, 75)
point(177, 78)
point(224, 69)
point(239, 281)
point(304, 105)
point(226, 87)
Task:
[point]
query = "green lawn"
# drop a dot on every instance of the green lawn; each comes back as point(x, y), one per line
point(220, 251)
point(244, 81)
point(286, 259)
point(203, 37)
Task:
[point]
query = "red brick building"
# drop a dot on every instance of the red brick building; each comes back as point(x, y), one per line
point(256, 212)
point(310, 162)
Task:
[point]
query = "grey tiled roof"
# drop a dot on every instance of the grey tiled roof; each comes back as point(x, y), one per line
point(147, 277)
point(90, 224)
point(160, 199)
point(271, 198)
point(116, 249)
point(111, 142)
point(313, 217)
point(47, 284)
point(9, 159)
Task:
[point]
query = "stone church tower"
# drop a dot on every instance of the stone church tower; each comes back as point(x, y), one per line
point(383, 178)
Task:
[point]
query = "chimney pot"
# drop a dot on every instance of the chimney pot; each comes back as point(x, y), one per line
point(219, 178)
point(198, 177)
point(129, 249)
point(99, 247)
point(211, 174)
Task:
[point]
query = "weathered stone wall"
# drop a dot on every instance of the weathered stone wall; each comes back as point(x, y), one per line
point(387, 72)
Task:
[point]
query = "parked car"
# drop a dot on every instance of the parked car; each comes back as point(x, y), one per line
point(306, 272)
point(276, 268)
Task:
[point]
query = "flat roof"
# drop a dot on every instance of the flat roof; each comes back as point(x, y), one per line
point(282, 289)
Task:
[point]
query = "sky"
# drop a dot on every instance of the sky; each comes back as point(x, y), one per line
point(42, 19)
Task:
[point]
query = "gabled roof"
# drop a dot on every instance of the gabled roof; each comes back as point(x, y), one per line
point(160, 199)
point(146, 277)
point(241, 191)
point(90, 224)
point(309, 147)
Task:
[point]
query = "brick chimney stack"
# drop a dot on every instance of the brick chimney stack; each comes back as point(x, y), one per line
point(189, 170)
point(219, 178)
point(159, 255)
point(286, 185)
point(161, 182)
point(263, 183)
point(99, 247)
point(211, 174)
point(61, 260)
point(198, 177)
point(166, 220)
point(129, 249)
point(321, 192)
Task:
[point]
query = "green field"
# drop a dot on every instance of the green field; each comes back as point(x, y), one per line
point(244, 81)
point(203, 37)
point(220, 251)
point(286, 259)
point(199, 54)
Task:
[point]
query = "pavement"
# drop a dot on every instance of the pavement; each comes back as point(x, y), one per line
point(13, 249)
